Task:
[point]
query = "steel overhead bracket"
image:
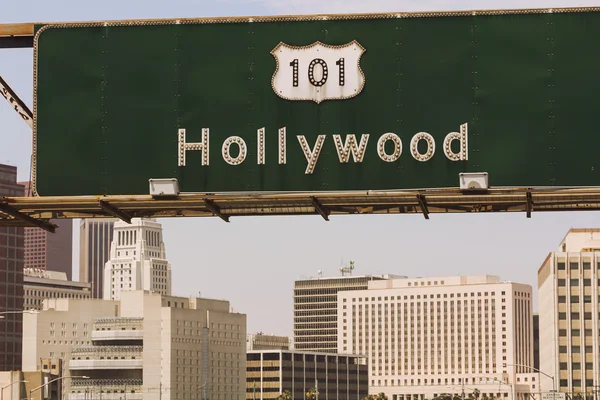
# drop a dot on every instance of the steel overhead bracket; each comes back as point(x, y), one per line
point(215, 209)
point(5, 208)
point(423, 205)
point(114, 211)
point(324, 212)
point(16, 103)
point(529, 204)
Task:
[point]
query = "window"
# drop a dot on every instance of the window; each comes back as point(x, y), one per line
point(573, 265)
point(587, 265)
point(560, 266)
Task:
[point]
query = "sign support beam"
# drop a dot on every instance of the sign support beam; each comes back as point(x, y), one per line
point(423, 205)
point(529, 205)
point(106, 206)
point(5, 208)
point(215, 209)
point(319, 208)
point(15, 102)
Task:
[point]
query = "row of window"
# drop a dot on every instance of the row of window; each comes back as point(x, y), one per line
point(574, 265)
point(64, 325)
point(56, 295)
point(576, 299)
point(575, 282)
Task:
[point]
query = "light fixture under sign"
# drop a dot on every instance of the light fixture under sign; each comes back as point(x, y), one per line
point(164, 187)
point(474, 181)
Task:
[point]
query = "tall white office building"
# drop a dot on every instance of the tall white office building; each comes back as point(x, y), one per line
point(431, 336)
point(569, 301)
point(137, 259)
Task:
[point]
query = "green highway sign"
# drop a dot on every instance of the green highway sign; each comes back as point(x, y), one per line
point(318, 103)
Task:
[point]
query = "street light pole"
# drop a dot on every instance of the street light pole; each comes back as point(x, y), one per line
point(7, 386)
point(535, 369)
point(54, 380)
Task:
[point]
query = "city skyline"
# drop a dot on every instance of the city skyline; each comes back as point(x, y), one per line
point(224, 260)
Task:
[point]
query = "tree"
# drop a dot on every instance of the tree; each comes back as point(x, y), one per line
point(312, 394)
point(379, 396)
point(286, 395)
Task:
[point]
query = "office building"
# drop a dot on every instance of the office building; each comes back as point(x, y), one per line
point(429, 336)
point(95, 237)
point(41, 284)
point(137, 259)
point(261, 341)
point(49, 251)
point(536, 341)
point(11, 281)
point(144, 346)
point(569, 300)
point(315, 308)
point(334, 376)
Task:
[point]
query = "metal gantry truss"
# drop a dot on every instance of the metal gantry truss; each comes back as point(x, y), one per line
point(37, 211)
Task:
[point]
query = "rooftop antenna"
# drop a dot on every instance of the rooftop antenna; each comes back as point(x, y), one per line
point(347, 270)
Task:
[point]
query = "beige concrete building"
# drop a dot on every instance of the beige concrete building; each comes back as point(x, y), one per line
point(569, 303)
point(261, 341)
point(146, 345)
point(334, 376)
point(40, 284)
point(315, 309)
point(429, 336)
point(61, 325)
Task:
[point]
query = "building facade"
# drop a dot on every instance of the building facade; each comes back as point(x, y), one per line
point(49, 251)
point(11, 279)
point(61, 325)
point(425, 337)
point(315, 310)
point(333, 376)
point(261, 341)
point(95, 237)
point(137, 259)
point(40, 284)
point(569, 303)
point(145, 346)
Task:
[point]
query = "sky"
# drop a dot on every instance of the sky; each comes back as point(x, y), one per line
point(253, 261)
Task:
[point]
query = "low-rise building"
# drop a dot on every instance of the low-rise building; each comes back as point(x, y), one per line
point(40, 284)
point(269, 373)
point(261, 341)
